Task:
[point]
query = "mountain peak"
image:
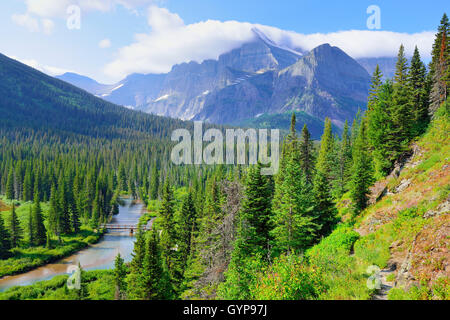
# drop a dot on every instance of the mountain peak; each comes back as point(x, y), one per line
point(261, 36)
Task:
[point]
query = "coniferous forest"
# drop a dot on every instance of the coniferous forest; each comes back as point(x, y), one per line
point(219, 232)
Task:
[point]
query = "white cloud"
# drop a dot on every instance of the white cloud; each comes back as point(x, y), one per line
point(161, 19)
point(47, 26)
point(171, 42)
point(27, 21)
point(57, 9)
point(105, 43)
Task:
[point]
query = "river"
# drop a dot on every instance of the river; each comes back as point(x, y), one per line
point(96, 257)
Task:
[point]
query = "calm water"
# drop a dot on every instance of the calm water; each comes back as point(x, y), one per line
point(98, 256)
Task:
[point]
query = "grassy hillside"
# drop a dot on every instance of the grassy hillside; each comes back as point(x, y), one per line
point(405, 233)
point(32, 100)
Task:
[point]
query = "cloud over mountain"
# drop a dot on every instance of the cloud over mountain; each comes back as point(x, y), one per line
point(172, 42)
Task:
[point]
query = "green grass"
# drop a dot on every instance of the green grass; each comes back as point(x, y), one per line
point(99, 285)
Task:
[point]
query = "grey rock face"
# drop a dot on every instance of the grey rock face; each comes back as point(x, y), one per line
point(258, 78)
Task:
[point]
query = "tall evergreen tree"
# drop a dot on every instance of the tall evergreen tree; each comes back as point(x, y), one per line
point(28, 185)
point(15, 230)
point(381, 136)
point(324, 207)
point(168, 235)
point(419, 94)
point(401, 112)
point(53, 213)
point(5, 240)
point(30, 228)
point(120, 273)
point(345, 163)
point(307, 160)
point(362, 171)
point(186, 225)
point(326, 160)
point(10, 185)
point(440, 72)
point(254, 225)
point(134, 280)
point(374, 87)
point(156, 286)
point(39, 232)
point(293, 220)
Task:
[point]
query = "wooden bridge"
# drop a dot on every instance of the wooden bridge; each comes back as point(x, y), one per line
point(123, 227)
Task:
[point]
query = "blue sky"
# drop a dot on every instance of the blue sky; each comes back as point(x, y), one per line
point(139, 39)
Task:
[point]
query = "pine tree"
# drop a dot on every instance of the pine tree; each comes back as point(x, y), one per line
point(440, 73)
point(168, 235)
point(293, 220)
point(5, 240)
point(122, 177)
point(326, 159)
point(28, 185)
point(30, 228)
point(443, 28)
point(374, 87)
point(154, 183)
point(362, 171)
point(186, 224)
point(39, 232)
point(15, 230)
point(402, 110)
point(153, 274)
point(324, 207)
point(53, 214)
point(63, 216)
point(419, 95)
point(254, 226)
point(381, 136)
point(307, 154)
point(345, 163)
point(134, 280)
point(120, 273)
point(10, 185)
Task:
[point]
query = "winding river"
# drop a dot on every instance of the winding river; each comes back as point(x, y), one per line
point(98, 256)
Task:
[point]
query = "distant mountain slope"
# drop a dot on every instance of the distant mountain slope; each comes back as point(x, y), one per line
point(257, 78)
point(32, 100)
point(387, 65)
point(84, 83)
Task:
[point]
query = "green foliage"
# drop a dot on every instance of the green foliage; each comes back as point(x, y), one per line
point(287, 278)
point(98, 285)
point(120, 273)
point(240, 277)
point(362, 171)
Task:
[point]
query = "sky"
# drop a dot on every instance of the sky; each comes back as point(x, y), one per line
point(110, 39)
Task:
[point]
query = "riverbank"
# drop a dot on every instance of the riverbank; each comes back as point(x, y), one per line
point(92, 251)
point(27, 259)
point(98, 285)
